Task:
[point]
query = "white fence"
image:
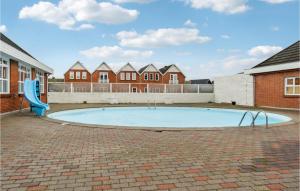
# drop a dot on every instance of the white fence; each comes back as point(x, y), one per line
point(123, 93)
point(129, 88)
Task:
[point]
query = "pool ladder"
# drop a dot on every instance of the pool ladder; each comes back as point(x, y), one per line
point(254, 118)
point(149, 104)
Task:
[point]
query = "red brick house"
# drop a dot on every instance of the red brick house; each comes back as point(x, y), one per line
point(149, 74)
point(277, 79)
point(172, 75)
point(16, 65)
point(103, 74)
point(128, 74)
point(77, 73)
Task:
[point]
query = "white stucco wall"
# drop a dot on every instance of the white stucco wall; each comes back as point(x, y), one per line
point(238, 88)
point(167, 98)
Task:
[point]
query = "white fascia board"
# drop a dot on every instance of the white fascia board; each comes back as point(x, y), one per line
point(273, 68)
point(20, 56)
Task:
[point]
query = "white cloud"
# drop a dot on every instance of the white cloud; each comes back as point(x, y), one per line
point(222, 6)
point(161, 37)
point(133, 1)
point(3, 28)
point(189, 23)
point(69, 13)
point(225, 36)
point(277, 1)
point(275, 28)
point(264, 50)
point(239, 63)
point(115, 53)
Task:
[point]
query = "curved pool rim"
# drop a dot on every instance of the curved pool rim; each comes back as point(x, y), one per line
point(159, 129)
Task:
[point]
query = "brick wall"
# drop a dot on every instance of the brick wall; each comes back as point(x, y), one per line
point(12, 101)
point(142, 78)
point(269, 90)
point(67, 76)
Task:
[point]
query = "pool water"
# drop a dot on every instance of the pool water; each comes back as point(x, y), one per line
point(172, 117)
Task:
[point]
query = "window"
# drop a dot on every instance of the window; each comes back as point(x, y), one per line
point(156, 76)
point(292, 86)
point(127, 76)
point(146, 76)
point(24, 73)
point(4, 76)
point(84, 75)
point(103, 77)
point(71, 75)
point(40, 76)
point(134, 89)
point(133, 76)
point(173, 79)
point(77, 75)
point(122, 76)
point(151, 76)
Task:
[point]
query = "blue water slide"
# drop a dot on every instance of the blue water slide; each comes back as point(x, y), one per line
point(30, 93)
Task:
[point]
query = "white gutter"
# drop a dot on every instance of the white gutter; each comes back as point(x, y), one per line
point(17, 54)
point(273, 68)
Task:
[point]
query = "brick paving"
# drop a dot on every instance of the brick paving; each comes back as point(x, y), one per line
point(37, 154)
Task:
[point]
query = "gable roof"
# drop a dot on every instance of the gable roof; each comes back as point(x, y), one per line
point(165, 69)
point(287, 55)
point(13, 50)
point(103, 63)
point(128, 64)
point(80, 64)
point(146, 67)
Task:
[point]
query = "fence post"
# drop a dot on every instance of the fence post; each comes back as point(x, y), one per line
point(165, 88)
point(148, 88)
point(129, 88)
point(91, 87)
point(110, 87)
point(72, 88)
point(198, 88)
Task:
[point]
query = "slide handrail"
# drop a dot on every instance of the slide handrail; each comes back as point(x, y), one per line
point(252, 123)
point(266, 117)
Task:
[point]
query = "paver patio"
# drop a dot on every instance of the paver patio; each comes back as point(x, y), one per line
point(37, 154)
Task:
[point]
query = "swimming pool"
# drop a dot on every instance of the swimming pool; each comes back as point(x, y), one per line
point(168, 117)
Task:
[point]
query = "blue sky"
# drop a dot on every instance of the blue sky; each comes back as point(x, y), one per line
point(205, 38)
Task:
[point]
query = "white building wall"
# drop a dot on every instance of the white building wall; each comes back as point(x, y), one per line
point(113, 98)
point(238, 88)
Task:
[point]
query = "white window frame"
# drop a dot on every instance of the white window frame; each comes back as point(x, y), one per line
point(122, 76)
point(40, 76)
point(7, 79)
point(286, 85)
point(151, 76)
point(78, 75)
point(71, 75)
point(146, 76)
point(103, 81)
point(128, 76)
point(23, 74)
point(173, 79)
point(84, 75)
point(157, 76)
point(134, 88)
point(133, 76)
